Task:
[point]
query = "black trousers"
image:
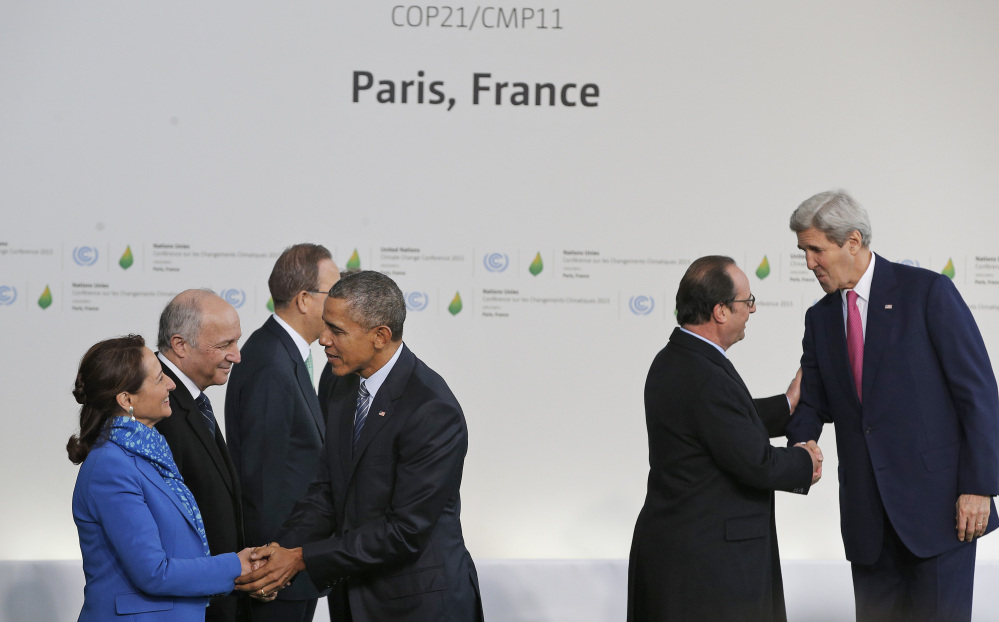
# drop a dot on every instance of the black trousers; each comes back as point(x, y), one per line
point(901, 587)
point(282, 610)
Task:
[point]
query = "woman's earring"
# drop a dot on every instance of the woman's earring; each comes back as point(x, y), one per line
point(131, 412)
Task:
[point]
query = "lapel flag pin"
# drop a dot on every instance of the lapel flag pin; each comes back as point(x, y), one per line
point(381, 413)
point(887, 306)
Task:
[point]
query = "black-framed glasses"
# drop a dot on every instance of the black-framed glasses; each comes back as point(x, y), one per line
point(750, 302)
point(312, 291)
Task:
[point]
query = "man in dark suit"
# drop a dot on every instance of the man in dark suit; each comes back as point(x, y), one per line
point(893, 357)
point(705, 543)
point(380, 522)
point(198, 338)
point(272, 414)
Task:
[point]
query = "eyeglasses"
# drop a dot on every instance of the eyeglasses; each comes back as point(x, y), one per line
point(750, 302)
point(311, 291)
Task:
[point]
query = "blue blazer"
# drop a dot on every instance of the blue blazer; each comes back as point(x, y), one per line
point(142, 556)
point(927, 429)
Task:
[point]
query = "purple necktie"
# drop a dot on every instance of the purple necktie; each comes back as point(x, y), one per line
point(855, 341)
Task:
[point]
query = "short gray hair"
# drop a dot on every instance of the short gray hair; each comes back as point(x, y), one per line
point(836, 214)
point(373, 299)
point(182, 316)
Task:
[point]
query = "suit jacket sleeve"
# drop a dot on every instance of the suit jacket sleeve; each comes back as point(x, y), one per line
point(117, 499)
point(313, 517)
point(972, 383)
point(775, 413)
point(263, 452)
point(431, 450)
point(812, 411)
point(734, 439)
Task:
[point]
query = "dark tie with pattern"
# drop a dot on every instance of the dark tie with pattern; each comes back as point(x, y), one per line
point(205, 406)
point(363, 404)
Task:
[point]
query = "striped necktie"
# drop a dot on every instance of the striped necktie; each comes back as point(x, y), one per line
point(363, 404)
point(205, 406)
point(308, 365)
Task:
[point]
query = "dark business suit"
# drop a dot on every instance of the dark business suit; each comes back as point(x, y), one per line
point(209, 473)
point(927, 429)
point(705, 544)
point(382, 521)
point(275, 431)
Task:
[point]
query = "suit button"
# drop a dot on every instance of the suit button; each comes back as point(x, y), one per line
point(868, 430)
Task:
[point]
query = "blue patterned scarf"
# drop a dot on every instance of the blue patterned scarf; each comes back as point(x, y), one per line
point(152, 447)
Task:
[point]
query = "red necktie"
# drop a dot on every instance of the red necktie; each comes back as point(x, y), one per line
point(855, 341)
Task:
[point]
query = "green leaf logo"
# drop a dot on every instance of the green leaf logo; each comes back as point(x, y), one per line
point(126, 260)
point(948, 270)
point(270, 305)
point(45, 301)
point(455, 307)
point(354, 263)
point(763, 271)
point(536, 266)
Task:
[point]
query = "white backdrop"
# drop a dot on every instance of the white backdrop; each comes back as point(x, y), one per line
point(204, 138)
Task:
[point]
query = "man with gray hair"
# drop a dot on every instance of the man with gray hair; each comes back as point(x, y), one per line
point(197, 347)
point(272, 415)
point(892, 356)
point(380, 523)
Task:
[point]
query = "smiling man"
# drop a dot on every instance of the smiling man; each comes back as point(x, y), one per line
point(892, 356)
point(380, 524)
point(198, 346)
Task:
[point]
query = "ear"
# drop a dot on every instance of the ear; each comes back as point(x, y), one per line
point(302, 302)
point(720, 313)
point(124, 400)
point(382, 336)
point(855, 242)
point(178, 345)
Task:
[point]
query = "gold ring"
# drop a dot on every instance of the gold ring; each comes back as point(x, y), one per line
point(261, 592)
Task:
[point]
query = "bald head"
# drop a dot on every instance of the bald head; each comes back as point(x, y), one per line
point(199, 333)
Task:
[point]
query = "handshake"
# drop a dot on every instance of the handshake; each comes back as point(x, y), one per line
point(266, 569)
point(813, 450)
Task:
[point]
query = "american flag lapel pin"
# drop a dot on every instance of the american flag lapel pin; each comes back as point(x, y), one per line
point(888, 307)
point(381, 413)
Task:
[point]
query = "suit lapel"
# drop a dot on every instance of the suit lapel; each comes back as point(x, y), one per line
point(832, 318)
point(301, 373)
point(150, 473)
point(880, 320)
point(707, 350)
point(193, 418)
point(383, 404)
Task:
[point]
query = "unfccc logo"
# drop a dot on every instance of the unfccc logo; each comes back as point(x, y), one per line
point(7, 295)
point(496, 262)
point(641, 305)
point(235, 297)
point(416, 301)
point(85, 255)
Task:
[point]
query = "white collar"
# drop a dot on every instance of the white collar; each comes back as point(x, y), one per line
point(187, 382)
point(706, 340)
point(303, 345)
point(863, 286)
point(373, 382)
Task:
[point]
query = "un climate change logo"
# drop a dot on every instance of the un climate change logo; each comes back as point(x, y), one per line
point(641, 305)
point(7, 295)
point(909, 262)
point(417, 301)
point(496, 262)
point(235, 297)
point(85, 255)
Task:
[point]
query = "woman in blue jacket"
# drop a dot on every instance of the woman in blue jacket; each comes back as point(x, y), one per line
point(145, 554)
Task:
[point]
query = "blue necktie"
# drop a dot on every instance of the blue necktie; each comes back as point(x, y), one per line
point(363, 404)
point(207, 413)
